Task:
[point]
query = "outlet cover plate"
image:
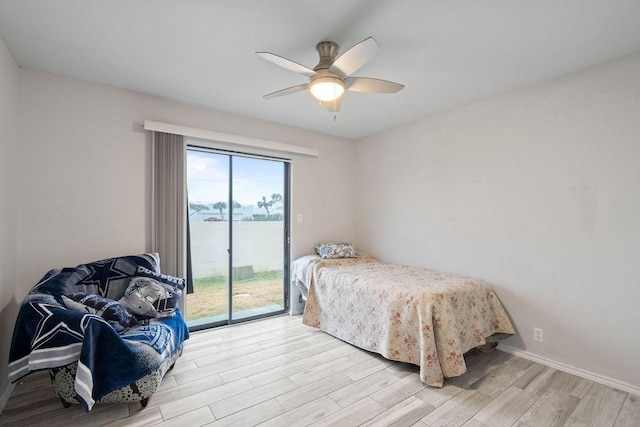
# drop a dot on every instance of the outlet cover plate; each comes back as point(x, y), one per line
point(538, 335)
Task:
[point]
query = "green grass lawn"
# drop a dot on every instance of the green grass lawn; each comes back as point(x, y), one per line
point(210, 297)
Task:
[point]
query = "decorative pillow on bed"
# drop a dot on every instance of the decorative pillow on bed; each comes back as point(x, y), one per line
point(152, 295)
point(336, 250)
point(111, 311)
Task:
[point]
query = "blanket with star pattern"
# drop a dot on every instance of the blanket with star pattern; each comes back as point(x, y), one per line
point(49, 335)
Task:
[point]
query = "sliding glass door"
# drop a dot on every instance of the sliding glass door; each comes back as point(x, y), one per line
point(238, 221)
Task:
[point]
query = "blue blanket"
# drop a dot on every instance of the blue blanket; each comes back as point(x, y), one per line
point(48, 335)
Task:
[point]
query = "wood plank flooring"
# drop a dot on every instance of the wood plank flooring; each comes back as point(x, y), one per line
point(278, 372)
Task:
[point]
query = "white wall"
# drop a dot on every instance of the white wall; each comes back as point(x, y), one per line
point(255, 243)
point(9, 199)
point(85, 171)
point(536, 191)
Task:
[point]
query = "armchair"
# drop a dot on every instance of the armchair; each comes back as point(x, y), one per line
point(108, 331)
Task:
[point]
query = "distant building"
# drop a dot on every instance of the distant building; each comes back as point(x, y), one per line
point(244, 213)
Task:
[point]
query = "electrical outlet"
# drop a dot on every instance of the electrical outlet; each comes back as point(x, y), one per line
point(538, 335)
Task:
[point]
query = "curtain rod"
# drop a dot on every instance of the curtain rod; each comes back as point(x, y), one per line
point(228, 138)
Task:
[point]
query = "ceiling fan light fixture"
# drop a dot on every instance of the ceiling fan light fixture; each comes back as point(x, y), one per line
point(327, 88)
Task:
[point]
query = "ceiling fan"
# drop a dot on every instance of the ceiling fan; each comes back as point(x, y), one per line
point(332, 76)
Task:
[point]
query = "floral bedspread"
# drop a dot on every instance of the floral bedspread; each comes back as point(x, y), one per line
point(407, 314)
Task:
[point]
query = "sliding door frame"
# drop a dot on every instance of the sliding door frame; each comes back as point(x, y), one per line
point(286, 236)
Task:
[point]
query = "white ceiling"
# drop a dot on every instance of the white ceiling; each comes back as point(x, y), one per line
point(447, 53)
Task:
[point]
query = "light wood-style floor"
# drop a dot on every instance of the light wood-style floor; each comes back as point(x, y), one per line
point(278, 372)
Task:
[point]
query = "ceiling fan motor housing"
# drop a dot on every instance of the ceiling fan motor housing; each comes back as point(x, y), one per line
point(327, 52)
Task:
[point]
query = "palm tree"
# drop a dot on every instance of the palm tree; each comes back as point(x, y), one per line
point(220, 206)
point(276, 197)
point(264, 204)
point(235, 209)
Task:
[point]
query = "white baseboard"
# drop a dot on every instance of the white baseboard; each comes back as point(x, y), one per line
point(5, 396)
point(620, 385)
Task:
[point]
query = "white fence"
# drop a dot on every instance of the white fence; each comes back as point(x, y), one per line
point(256, 243)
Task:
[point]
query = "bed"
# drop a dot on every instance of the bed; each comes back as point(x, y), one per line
point(408, 314)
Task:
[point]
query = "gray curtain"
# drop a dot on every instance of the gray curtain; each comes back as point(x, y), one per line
point(168, 234)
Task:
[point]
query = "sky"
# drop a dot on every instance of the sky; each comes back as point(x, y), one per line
point(208, 178)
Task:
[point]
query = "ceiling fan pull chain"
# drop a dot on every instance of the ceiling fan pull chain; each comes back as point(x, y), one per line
point(335, 115)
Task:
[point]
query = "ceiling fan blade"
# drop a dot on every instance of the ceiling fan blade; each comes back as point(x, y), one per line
point(333, 106)
point(354, 58)
point(287, 91)
point(367, 84)
point(287, 63)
